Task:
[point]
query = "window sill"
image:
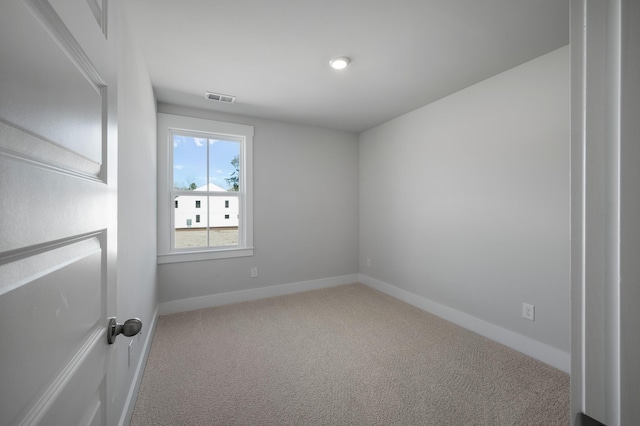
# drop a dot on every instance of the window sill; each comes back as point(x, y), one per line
point(195, 256)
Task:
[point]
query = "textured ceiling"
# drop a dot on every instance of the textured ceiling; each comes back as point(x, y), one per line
point(273, 55)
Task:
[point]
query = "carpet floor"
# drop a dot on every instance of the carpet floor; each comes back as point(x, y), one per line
point(346, 355)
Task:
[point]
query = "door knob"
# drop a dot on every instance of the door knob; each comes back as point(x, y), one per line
point(131, 327)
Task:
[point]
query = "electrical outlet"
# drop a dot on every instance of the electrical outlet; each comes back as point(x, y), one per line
point(528, 311)
point(254, 272)
point(368, 262)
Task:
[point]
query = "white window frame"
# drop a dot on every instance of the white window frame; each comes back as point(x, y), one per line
point(169, 124)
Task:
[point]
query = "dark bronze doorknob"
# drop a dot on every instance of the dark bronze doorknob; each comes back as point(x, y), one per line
point(130, 328)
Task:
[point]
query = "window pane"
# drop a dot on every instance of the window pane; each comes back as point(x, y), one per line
point(191, 228)
point(224, 157)
point(190, 231)
point(189, 162)
point(223, 222)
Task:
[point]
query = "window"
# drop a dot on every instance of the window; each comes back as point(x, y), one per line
point(207, 167)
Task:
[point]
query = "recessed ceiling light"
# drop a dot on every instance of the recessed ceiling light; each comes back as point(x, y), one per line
point(339, 63)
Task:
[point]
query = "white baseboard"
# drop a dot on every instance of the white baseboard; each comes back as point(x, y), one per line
point(130, 402)
point(183, 305)
point(540, 351)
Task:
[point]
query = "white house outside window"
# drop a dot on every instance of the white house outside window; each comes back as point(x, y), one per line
point(207, 180)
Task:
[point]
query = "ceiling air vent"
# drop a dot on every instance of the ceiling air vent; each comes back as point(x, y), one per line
point(219, 97)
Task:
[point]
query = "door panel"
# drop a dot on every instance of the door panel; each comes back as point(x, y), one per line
point(37, 197)
point(57, 212)
point(53, 89)
point(44, 311)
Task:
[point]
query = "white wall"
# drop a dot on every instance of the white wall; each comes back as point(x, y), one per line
point(305, 212)
point(465, 202)
point(137, 287)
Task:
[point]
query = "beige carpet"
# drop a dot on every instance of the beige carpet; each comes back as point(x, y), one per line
point(347, 355)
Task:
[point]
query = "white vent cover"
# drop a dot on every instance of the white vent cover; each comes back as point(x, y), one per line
point(218, 97)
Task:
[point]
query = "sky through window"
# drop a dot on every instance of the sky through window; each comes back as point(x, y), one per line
point(190, 161)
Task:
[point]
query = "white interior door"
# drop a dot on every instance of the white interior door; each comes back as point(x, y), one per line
point(57, 211)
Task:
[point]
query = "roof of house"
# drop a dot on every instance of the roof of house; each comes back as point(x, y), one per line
point(210, 187)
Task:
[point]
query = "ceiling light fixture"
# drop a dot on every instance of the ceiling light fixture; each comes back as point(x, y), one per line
point(339, 63)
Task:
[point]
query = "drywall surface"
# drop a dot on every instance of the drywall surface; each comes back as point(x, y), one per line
point(305, 212)
point(137, 286)
point(466, 201)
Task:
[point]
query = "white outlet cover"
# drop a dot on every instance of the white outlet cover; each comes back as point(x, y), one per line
point(528, 311)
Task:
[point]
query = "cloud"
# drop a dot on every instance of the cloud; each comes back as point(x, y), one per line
point(212, 141)
point(220, 171)
point(178, 166)
point(200, 141)
point(178, 140)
